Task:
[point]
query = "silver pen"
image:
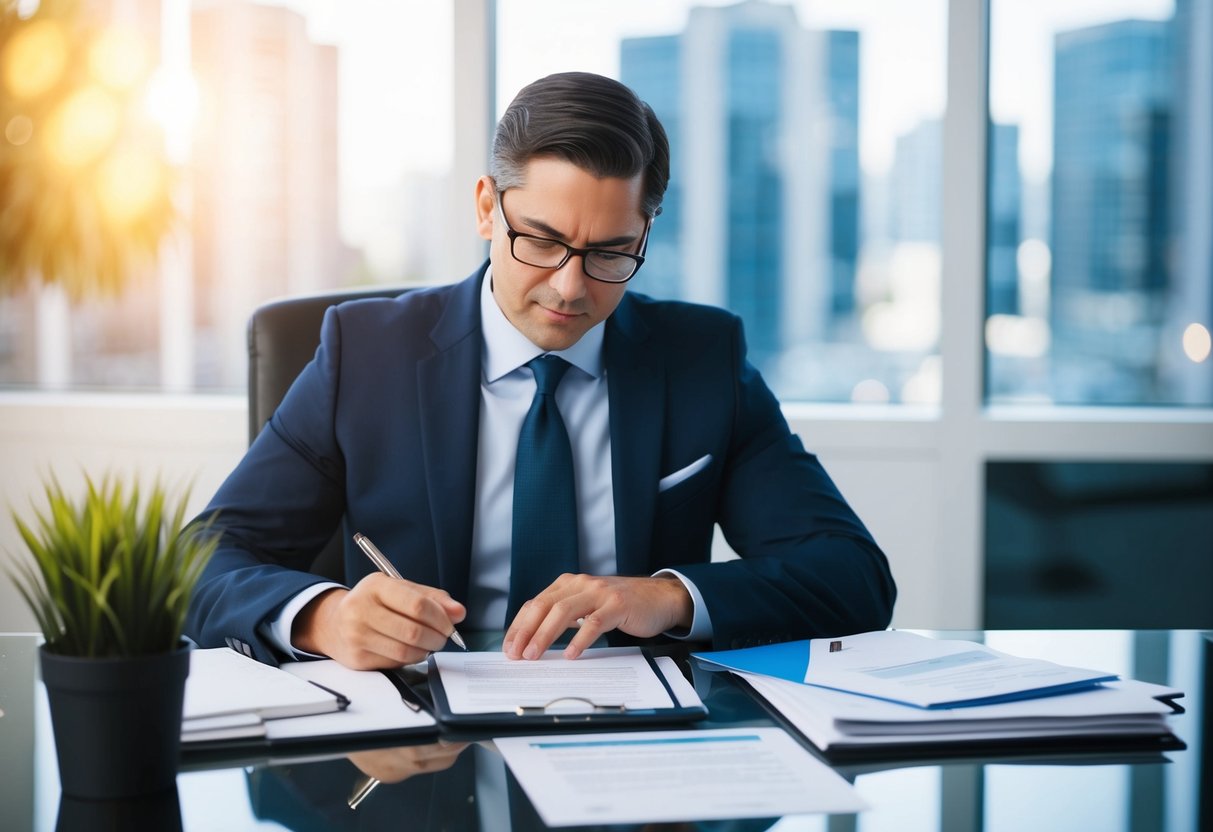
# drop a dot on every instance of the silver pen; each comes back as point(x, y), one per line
point(385, 566)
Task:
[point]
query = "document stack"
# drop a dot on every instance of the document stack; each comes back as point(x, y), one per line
point(899, 692)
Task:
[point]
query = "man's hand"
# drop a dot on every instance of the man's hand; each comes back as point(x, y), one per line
point(382, 622)
point(640, 607)
point(391, 765)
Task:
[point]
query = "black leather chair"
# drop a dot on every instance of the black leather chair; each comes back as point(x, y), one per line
point(282, 339)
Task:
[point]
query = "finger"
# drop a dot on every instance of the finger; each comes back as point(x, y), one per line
point(445, 748)
point(562, 614)
point(386, 647)
point(397, 592)
point(408, 631)
point(422, 608)
point(612, 608)
point(454, 610)
point(374, 651)
point(518, 635)
point(369, 625)
point(591, 629)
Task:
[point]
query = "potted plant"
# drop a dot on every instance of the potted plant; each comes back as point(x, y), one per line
point(109, 580)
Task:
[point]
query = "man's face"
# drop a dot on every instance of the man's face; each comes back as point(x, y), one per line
point(553, 308)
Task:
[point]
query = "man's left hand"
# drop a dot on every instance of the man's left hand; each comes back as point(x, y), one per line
point(641, 607)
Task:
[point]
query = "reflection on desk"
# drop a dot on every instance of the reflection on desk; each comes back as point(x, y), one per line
point(1172, 791)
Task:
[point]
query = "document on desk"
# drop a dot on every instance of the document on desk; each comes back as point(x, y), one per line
point(835, 721)
point(375, 706)
point(652, 777)
point(911, 669)
point(611, 676)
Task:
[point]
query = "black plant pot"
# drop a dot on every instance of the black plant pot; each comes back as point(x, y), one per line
point(117, 722)
point(160, 811)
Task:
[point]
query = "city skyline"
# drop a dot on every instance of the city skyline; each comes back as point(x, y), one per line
point(798, 197)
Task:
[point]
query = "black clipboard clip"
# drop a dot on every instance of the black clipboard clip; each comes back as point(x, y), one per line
point(589, 707)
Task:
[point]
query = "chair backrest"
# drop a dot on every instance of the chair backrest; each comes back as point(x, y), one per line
point(282, 339)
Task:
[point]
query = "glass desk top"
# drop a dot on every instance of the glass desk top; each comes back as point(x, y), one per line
point(451, 786)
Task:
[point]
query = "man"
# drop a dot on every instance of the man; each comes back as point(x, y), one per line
point(534, 448)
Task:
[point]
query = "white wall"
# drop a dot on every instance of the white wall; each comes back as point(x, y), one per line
point(183, 440)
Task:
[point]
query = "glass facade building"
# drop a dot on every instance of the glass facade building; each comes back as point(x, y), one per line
point(762, 215)
point(1112, 107)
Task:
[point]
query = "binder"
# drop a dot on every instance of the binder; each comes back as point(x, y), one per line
point(225, 683)
point(376, 710)
point(565, 709)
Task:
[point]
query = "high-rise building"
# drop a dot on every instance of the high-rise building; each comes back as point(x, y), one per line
point(916, 177)
point(1191, 300)
point(842, 88)
point(762, 215)
point(1112, 107)
point(917, 208)
point(653, 67)
point(265, 172)
point(1005, 221)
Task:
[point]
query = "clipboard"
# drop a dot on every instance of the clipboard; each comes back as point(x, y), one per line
point(564, 712)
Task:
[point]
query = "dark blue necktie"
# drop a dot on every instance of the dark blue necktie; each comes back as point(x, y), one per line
point(545, 503)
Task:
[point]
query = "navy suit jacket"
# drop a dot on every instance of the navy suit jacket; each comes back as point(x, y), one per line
point(381, 428)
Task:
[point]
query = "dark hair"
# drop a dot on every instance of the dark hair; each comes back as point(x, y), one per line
point(596, 123)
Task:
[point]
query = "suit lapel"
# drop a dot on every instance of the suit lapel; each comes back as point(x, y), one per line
point(448, 384)
point(636, 390)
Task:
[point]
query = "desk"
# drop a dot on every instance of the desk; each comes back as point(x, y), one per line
point(1164, 792)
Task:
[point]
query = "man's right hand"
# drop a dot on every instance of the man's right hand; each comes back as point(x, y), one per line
point(382, 622)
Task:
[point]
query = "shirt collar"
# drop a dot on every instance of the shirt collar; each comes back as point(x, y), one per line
point(506, 349)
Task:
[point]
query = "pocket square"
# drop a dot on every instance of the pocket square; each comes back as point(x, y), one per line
point(668, 482)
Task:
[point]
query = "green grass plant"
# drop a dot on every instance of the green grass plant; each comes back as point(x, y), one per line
point(110, 574)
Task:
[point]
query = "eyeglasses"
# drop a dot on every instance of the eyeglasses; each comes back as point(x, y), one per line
point(597, 263)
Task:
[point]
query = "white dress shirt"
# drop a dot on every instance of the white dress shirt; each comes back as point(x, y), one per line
point(507, 387)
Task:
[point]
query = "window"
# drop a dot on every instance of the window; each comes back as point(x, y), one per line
point(319, 156)
point(805, 180)
point(1100, 266)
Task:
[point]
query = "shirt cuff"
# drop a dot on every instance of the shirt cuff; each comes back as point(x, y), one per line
point(278, 631)
point(701, 622)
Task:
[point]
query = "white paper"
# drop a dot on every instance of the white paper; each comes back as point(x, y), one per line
point(222, 681)
point(226, 727)
point(488, 682)
point(650, 777)
point(927, 672)
point(684, 691)
point(375, 704)
point(832, 719)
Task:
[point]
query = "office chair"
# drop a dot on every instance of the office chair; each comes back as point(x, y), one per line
point(282, 339)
